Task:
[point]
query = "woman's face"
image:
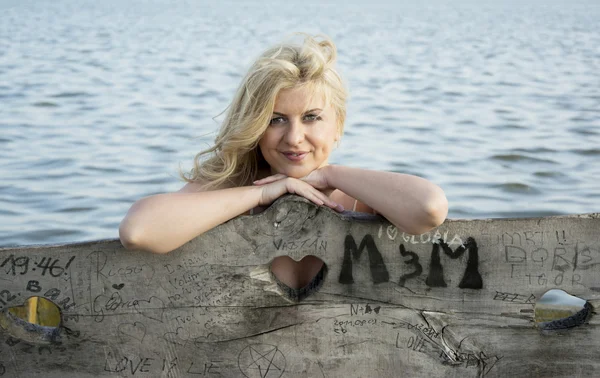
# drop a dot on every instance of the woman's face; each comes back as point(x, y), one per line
point(301, 134)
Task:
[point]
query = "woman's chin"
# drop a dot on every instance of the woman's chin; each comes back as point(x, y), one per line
point(295, 172)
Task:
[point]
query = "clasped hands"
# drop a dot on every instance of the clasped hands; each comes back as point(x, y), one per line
point(314, 187)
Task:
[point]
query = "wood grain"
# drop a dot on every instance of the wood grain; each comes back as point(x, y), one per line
point(455, 302)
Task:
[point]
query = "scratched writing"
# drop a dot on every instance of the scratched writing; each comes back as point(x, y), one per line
point(514, 298)
point(28, 348)
point(125, 270)
point(130, 365)
point(529, 238)
point(415, 343)
point(138, 364)
point(577, 256)
point(106, 271)
point(194, 284)
point(33, 286)
point(53, 294)
point(187, 319)
point(556, 279)
point(426, 238)
point(313, 244)
point(168, 365)
point(152, 308)
point(423, 328)
point(6, 297)
point(188, 283)
point(479, 360)
point(213, 297)
point(135, 365)
point(186, 279)
point(525, 238)
point(467, 359)
point(560, 265)
point(23, 265)
point(201, 293)
point(356, 309)
point(341, 326)
point(189, 263)
point(206, 368)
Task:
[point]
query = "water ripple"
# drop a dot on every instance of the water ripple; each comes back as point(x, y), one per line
point(45, 104)
point(587, 152)
point(70, 94)
point(97, 111)
point(521, 159)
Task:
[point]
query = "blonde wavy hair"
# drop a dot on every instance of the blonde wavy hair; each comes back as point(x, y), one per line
point(234, 159)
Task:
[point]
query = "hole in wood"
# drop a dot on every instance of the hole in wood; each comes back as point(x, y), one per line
point(298, 279)
point(557, 309)
point(38, 320)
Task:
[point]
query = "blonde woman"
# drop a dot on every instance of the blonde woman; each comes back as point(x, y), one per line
point(278, 133)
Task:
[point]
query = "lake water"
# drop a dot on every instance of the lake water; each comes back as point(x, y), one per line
point(100, 102)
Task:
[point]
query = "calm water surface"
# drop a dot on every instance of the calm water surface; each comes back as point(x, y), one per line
point(100, 103)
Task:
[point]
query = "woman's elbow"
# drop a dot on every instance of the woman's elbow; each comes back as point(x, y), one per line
point(437, 208)
point(129, 235)
point(433, 213)
point(133, 238)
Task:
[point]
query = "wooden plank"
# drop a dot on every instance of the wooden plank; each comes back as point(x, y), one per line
point(456, 302)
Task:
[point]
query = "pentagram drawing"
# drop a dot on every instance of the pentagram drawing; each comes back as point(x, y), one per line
point(261, 361)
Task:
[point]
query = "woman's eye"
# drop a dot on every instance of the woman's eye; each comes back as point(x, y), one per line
point(277, 120)
point(312, 117)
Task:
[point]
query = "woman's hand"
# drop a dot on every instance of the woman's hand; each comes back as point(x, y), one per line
point(318, 179)
point(277, 185)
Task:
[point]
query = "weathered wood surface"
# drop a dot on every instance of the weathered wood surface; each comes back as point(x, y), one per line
point(210, 308)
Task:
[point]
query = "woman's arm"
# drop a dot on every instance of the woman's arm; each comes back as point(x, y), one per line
point(163, 222)
point(411, 203)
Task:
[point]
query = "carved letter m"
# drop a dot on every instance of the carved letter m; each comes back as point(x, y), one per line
point(379, 271)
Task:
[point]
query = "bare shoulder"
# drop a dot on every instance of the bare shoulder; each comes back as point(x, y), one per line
point(192, 187)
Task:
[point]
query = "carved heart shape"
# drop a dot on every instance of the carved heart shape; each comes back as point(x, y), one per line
point(136, 331)
point(118, 287)
point(557, 309)
point(298, 279)
point(392, 232)
point(179, 337)
point(45, 328)
point(153, 308)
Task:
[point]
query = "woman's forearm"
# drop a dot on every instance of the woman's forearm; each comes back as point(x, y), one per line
point(411, 203)
point(163, 222)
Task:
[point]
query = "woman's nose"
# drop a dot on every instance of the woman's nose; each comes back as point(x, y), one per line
point(295, 133)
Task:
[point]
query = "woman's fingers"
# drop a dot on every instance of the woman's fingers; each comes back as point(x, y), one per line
point(275, 186)
point(314, 195)
point(318, 179)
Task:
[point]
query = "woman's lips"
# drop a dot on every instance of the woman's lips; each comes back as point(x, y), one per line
point(295, 156)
